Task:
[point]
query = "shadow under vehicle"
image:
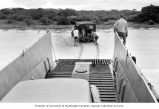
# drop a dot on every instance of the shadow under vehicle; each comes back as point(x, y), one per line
point(35, 76)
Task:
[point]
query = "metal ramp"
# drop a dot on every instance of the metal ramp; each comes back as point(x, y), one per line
point(100, 76)
point(105, 83)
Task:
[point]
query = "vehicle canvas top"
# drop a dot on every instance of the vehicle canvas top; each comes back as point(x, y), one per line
point(50, 91)
point(85, 25)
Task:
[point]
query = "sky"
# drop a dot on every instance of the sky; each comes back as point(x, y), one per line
point(78, 4)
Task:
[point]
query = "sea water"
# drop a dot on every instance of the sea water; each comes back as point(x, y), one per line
point(144, 44)
point(141, 43)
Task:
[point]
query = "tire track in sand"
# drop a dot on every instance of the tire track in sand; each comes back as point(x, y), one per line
point(81, 51)
point(89, 51)
point(97, 51)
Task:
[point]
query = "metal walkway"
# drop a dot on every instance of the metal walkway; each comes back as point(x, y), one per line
point(100, 76)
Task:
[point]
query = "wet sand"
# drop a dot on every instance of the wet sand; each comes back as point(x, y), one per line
point(64, 46)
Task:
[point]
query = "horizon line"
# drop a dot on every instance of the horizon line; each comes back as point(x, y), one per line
point(72, 8)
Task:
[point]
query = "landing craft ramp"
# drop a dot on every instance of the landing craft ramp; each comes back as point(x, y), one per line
point(100, 75)
point(126, 84)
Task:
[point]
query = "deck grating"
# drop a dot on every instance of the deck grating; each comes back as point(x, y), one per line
point(100, 76)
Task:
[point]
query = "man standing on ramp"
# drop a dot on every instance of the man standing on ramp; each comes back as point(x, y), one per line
point(121, 28)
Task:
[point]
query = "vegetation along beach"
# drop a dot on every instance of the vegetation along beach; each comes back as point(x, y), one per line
point(20, 18)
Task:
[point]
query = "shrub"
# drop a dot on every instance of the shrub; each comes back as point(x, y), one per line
point(84, 18)
point(133, 18)
point(10, 17)
point(63, 21)
point(22, 17)
point(6, 11)
point(10, 21)
point(73, 19)
point(56, 18)
point(29, 22)
point(45, 21)
point(151, 22)
point(3, 16)
point(67, 12)
point(36, 14)
point(17, 17)
point(104, 19)
point(110, 22)
point(51, 14)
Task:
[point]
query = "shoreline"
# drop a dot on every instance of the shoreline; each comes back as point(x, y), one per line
point(48, 27)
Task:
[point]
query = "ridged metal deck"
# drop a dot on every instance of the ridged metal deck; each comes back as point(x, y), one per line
point(100, 75)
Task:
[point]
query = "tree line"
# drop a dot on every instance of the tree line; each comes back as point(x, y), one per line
point(148, 14)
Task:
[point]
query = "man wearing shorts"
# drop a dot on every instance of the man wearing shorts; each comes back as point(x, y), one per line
point(95, 36)
point(121, 28)
point(76, 34)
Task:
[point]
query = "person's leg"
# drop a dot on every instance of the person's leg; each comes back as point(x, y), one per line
point(96, 38)
point(75, 38)
point(121, 38)
point(124, 38)
point(119, 34)
point(77, 41)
